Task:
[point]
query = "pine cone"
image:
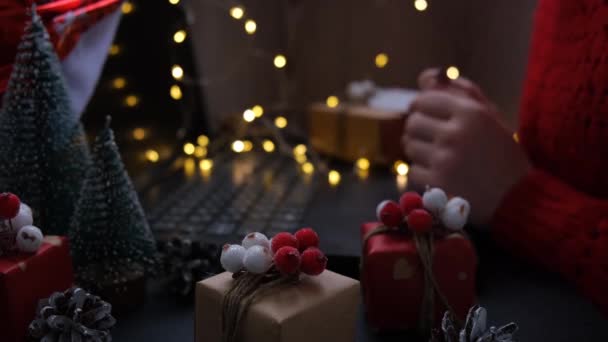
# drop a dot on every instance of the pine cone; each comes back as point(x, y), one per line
point(73, 315)
point(186, 262)
point(475, 330)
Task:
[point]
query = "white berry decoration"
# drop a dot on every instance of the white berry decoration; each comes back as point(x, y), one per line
point(232, 257)
point(23, 218)
point(258, 259)
point(255, 239)
point(29, 239)
point(434, 200)
point(456, 213)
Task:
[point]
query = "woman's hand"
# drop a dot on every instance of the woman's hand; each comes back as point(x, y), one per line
point(455, 140)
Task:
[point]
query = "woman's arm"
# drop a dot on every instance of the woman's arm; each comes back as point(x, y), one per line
point(548, 222)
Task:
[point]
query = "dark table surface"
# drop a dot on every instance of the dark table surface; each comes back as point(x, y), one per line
point(545, 307)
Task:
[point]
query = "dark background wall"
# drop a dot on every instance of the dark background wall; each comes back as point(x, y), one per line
point(330, 43)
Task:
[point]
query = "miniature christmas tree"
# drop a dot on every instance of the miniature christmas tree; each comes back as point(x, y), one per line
point(43, 154)
point(110, 238)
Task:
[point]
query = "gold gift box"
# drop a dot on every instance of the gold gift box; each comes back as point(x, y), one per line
point(321, 308)
point(351, 131)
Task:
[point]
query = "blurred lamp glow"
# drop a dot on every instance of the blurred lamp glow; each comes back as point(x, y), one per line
point(202, 140)
point(363, 164)
point(177, 72)
point(452, 73)
point(280, 122)
point(119, 83)
point(127, 7)
point(114, 49)
point(205, 164)
point(268, 146)
point(332, 101)
point(308, 168)
point(333, 177)
point(300, 149)
point(421, 5)
point(139, 133)
point(280, 61)
point(131, 100)
point(189, 148)
point(248, 115)
point(200, 151)
point(179, 36)
point(238, 146)
point(237, 12)
point(250, 26)
point(152, 156)
point(258, 110)
point(381, 60)
point(175, 92)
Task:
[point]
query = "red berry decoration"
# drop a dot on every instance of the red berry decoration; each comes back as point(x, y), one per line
point(287, 260)
point(283, 239)
point(389, 213)
point(313, 261)
point(420, 221)
point(410, 201)
point(9, 205)
point(307, 237)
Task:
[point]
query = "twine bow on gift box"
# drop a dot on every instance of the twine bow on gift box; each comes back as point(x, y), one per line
point(259, 266)
point(424, 217)
point(247, 287)
point(424, 246)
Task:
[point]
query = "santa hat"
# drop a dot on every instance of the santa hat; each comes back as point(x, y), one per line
point(81, 32)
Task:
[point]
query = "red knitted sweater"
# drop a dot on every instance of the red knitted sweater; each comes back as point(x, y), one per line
point(557, 216)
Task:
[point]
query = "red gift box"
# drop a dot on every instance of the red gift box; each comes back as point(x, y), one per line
point(392, 277)
point(25, 279)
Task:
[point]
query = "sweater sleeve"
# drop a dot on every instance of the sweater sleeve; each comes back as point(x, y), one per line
point(548, 222)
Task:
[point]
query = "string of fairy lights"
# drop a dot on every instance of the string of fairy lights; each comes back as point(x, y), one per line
point(198, 150)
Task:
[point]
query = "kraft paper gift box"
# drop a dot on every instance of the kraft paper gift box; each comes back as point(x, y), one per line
point(352, 131)
point(320, 308)
point(25, 279)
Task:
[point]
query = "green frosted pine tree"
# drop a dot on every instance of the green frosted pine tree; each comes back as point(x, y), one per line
point(43, 149)
point(109, 236)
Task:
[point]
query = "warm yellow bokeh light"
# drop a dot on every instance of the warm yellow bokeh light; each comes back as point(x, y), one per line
point(114, 49)
point(280, 122)
point(202, 140)
point(248, 115)
point(189, 166)
point(300, 158)
point(516, 137)
point(300, 149)
point(174, 2)
point(205, 164)
point(421, 5)
point(247, 145)
point(119, 83)
point(177, 72)
point(258, 110)
point(452, 72)
point(280, 61)
point(334, 177)
point(179, 36)
point(308, 168)
point(127, 7)
point(401, 167)
point(152, 156)
point(139, 133)
point(237, 12)
point(238, 146)
point(175, 92)
point(131, 100)
point(200, 152)
point(363, 164)
point(268, 146)
point(332, 101)
point(250, 26)
point(381, 60)
point(189, 148)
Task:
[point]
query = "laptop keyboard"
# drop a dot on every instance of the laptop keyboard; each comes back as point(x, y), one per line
point(244, 193)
